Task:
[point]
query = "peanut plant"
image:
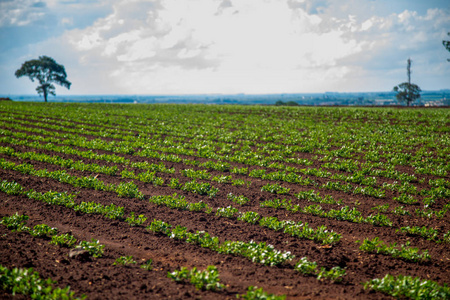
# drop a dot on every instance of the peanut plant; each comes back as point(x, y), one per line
point(202, 280)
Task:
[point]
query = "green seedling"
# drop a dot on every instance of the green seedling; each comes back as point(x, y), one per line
point(135, 220)
point(64, 240)
point(124, 260)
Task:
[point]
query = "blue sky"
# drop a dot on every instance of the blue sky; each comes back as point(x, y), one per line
point(227, 46)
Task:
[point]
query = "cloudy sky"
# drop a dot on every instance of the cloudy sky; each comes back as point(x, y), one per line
point(227, 46)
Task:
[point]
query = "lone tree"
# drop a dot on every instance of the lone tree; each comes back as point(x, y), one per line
point(46, 71)
point(407, 92)
point(447, 45)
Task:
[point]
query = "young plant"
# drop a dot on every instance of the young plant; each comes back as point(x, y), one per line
point(405, 252)
point(273, 203)
point(175, 183)
point(124, 260)
point(199, 206)
point(227, 212)
point(94, 248)
point(113, 211)
point(222, 179)
point(256, 252)
point(10, 188)
point(272, 223)
point(135, 221)
point(201, 188)
point(43, 230)
point(200, 174)
point(249, 217)
point(54, 198)
point(179, 232)
point(306, 267)
point(400, 211)
point(335, 274)
point(241, 199)
point(241, 182)
point(428, 233)
point(147, 265)
point(381, 208)
point(150, 177)
point(275, 189)
point(202, 280)
point(253, 293)
point(28, 282)
point(204, 239)
point(408, 287)
point(446, 237)
point(15, 222)
point(242, 171)
point(406, 199)
point(64, 240)
point(128, 190)
point(159, 226)
point(378, 220)
point(171, 201)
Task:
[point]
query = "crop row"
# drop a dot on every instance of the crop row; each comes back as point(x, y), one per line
point(434, 193)
point(28, 282)
point(123, 121)
point(203, 174)
point(361, 168)
point(130, 190)
point(396, 158)
point(338, 164)
point(17, 222)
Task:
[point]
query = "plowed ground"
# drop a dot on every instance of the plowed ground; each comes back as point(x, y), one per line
point(98, 278)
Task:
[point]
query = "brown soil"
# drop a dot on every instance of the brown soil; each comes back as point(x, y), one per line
point(98, 278)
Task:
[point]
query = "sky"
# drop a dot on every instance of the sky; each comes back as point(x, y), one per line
point(227, 46)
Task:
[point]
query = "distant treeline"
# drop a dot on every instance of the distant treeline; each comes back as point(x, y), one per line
point(288, 103)
point(432, 98)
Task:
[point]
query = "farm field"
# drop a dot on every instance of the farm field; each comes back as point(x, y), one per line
point(198, 201)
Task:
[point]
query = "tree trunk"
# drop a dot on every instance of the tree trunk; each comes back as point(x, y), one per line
point(408, 72)
point(45, 93)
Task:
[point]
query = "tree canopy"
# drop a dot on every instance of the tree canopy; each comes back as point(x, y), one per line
point(46, 71)
point(447, 45)
point(407, 92)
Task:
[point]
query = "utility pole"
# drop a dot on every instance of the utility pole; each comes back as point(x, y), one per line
point(407, 91)
point(408, 70)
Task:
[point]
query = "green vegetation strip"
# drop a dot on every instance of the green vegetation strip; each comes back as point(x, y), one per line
point(256, 252)
point(410, 287)
point(209, 280)
point(56, 160)
point(17, 222)
point(357, 177)
point(405, 252)
point(296, 229)
point(130, 190)
point(344, 214)
point(67, 200)
point(202, 280)
point(28, 282)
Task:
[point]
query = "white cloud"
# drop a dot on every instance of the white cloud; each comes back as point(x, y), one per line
point(258, 46)
point(251, 45)
point(21, 12)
